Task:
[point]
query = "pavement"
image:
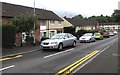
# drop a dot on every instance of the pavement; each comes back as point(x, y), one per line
point(19, 50)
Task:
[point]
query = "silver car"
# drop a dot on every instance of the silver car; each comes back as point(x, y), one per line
point(87, 37)
point(59, 41)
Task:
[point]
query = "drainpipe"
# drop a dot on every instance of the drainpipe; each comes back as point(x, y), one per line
point(48, 28)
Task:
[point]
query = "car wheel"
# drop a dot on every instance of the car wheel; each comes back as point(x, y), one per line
point(101, 38)
point(74, 44)
point(94, 40)
point(90, 40)
point(60, 47)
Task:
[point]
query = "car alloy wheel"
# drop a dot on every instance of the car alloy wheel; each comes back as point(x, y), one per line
point(60, 47)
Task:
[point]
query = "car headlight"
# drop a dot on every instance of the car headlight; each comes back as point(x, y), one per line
point(53, 42)
point(87, 38)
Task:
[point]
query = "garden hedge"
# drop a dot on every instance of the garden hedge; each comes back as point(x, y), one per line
point(8, 36)
point(69, 30)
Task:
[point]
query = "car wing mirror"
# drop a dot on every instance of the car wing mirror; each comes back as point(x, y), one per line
point(65, 37)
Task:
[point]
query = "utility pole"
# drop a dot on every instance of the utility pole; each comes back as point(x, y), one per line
point(34, 25)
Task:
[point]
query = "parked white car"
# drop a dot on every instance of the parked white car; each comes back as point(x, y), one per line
point(111, 33)
point(59, 41)
point(87, 37)
point(115, 32)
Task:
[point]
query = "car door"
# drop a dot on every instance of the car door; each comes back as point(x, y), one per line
point(71, 39)
point(66, 40)
point(93, 37)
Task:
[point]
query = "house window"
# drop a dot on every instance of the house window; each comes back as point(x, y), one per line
point(59, 22)
point(113, 27)
point(43, 34)
point(52, 21)
point(108, 27)
point(59, 31)
point(51, 33)
point(43, 23)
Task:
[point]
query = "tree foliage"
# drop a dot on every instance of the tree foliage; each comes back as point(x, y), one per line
point(102, 19)
point(78, 17)
point(69, 30)
point(116, 15)
point(24, 23)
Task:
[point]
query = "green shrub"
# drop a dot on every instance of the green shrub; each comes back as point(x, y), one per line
point(102, 31)
point(81, 32)
point(69, 30)
point(44, 38)
point(92, 31)
point(8, 36)
point(118, 30)
point(29, 39)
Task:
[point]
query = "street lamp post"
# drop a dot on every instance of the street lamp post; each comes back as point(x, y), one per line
point(34, 24)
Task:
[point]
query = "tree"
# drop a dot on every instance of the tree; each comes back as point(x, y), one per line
point(78, 17)
point(116, 15)
point(24, 23)
point(101, 19)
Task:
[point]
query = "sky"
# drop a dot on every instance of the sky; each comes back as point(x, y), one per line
point(71, 8)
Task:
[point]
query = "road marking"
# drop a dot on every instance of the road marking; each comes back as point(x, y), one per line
point(71, 67)
point(9, 58)
point(3, 59)
point(91, 59)
point(7, 67)
point(59, 53)
point(20, 53)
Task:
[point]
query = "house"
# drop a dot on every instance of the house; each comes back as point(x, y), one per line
point(110, 26)
point(51, 27)
point(48, 22)
point(82, 24)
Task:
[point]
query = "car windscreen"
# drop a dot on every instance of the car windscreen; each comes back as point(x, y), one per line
point(60, 36)
point(89, 34)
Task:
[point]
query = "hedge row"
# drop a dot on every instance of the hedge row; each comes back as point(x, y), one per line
point(69, 30)
point(8, 36)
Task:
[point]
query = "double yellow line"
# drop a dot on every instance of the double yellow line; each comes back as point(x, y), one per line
point(68, 70)
point(9, 58)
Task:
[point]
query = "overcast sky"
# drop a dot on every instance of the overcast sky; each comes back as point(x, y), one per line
point(72, 7)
